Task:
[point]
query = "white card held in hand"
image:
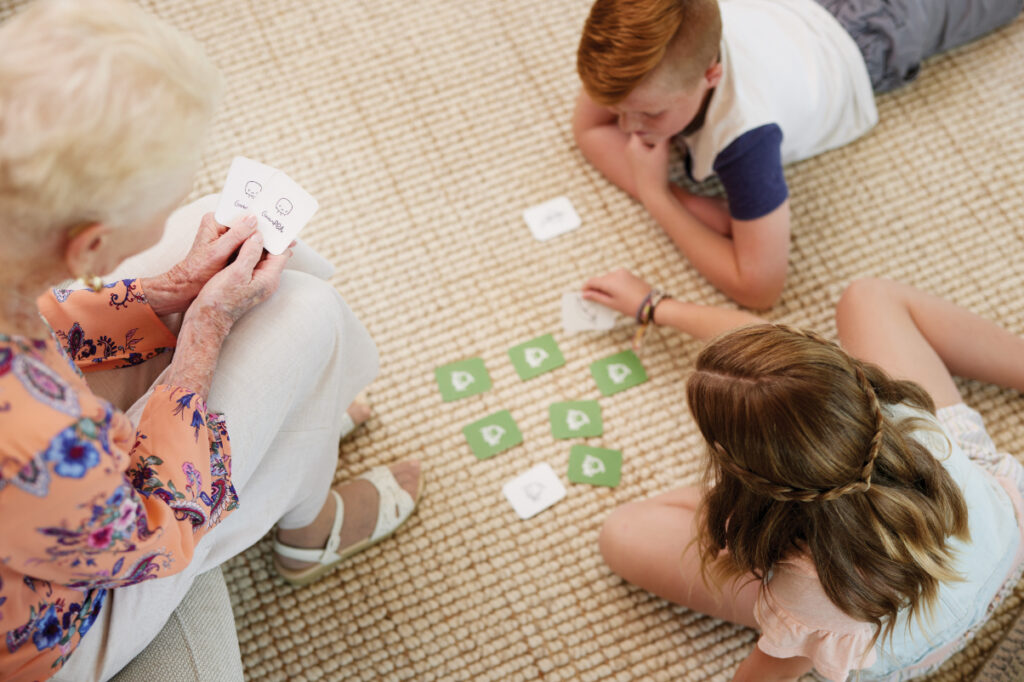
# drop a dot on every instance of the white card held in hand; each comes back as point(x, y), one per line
point(282, 209)
point(245, 183)
point(551, 218)
point(579, 314)
point(534, 491)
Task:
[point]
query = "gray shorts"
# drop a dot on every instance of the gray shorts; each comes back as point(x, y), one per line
point(895, 36)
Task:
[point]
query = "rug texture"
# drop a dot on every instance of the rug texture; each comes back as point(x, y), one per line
point(424, 129)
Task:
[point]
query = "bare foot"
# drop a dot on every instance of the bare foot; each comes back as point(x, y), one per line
point(360, 500)
point(359, 412)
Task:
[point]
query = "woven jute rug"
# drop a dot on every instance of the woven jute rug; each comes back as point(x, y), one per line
point(424, 129)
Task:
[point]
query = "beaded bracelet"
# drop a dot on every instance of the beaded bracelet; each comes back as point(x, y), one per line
point(645, 314)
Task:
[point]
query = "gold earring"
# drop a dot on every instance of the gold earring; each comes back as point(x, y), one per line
point(94, 282)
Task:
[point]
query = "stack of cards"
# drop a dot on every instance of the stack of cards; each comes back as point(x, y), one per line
point(281, 207)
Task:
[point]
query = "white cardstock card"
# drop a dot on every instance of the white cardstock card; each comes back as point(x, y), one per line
point(534, 491)
point(551, 218)
point(245, 182)
point(579, 314)
point(282, 209)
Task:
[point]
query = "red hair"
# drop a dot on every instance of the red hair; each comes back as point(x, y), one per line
point(624, 41)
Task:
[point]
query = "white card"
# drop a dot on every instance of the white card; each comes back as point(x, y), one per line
point(282, 209)
point(579, 314)
point(245, 182)
point(551, 218)
point(534, 491)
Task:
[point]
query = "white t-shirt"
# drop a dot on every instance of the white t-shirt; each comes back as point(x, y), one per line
point(790, 63)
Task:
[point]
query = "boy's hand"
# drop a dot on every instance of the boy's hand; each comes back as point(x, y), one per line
point(619, 290)
point(650, 167)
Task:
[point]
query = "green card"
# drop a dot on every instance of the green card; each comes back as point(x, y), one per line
point(493, 434)
point(533, 358)
point(596, 466)
point(618, 372)
point(463, 378)
point(578, 419)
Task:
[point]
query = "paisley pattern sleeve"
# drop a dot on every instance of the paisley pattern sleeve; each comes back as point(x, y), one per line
point(90, 502)
point(115, 327)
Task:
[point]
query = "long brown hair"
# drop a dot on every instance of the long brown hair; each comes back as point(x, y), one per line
point(803, 458)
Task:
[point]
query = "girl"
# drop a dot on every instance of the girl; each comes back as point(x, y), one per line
point(854, 509)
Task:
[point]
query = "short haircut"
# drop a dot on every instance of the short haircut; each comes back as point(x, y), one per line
point(624, 41)
point(103, 109)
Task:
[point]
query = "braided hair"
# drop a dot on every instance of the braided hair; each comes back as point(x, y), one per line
point(804, 459)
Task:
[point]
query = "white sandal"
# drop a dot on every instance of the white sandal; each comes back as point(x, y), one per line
point(395, 506)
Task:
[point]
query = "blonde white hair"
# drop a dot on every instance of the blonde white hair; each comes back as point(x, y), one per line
point(103, 109)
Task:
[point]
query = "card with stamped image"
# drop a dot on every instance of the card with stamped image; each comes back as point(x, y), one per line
point(282, 209)
point(552, 218)
point(618, 372)
point(536, 357)
point(493, 434)
point(579, 314)
point(462, 379)
point(576, 419)
point(532, 492)
point(595, 466)
point(244, 184)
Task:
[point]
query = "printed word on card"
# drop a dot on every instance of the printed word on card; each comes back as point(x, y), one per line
point(534, 491)
point(281, 207)
point(551, 218)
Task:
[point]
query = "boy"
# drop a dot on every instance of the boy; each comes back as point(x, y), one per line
point(745, 86)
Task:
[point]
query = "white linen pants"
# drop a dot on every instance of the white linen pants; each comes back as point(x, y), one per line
point(286, 374)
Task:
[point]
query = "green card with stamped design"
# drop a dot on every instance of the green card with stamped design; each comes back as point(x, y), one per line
point(596, 466)
point(493, 434)
point(618, 372)
point(462, 379)
point(536, 357)
point(577, 419)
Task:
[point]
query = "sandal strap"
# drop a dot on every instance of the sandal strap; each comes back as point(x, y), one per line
point(326, 555)
point(395, 503)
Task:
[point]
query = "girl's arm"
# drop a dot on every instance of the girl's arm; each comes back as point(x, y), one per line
point(623, 291)
point(760, 667)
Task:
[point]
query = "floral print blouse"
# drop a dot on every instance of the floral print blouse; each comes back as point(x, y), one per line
point(89, 502)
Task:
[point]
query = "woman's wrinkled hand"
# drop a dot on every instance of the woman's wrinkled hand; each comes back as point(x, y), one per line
point(619, 290)
point(251, 279)
point(173, 291)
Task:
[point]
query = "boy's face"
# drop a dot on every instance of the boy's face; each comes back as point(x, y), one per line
point(659, 108)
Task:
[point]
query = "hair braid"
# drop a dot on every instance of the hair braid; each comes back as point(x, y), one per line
point(786, 493)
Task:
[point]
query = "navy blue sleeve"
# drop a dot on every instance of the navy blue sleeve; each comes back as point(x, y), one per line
point(750, 169)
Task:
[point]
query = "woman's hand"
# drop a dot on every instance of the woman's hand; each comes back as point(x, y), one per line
point(619, 290)
point(229, 294)
point(174, 291)
point(232, 292)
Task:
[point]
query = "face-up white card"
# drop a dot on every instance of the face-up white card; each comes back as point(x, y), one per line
point(551, 218)
point(282, 209)
point(245, 183)
point(579, 314)
point(534, 491)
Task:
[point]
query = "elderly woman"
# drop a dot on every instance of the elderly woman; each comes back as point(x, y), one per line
point(107, 516)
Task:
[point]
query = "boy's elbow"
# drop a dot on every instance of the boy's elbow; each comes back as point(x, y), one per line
point(758, 291)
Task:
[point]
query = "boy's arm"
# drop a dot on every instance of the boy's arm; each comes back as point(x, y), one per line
point(596, 131)
point(623, 291)
point(748, 263)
